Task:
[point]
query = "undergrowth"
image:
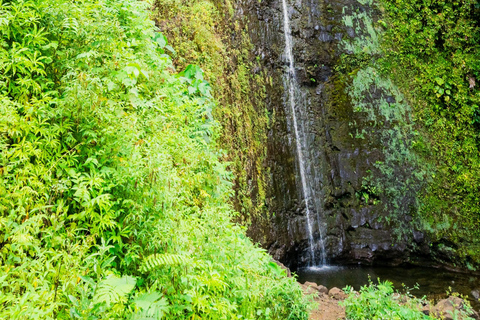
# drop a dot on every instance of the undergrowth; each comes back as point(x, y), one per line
point(381, 301)
point(113, 198)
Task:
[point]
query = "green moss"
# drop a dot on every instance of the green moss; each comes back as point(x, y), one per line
point(430, 52)
point(385, 125)
point(435, 57)
point(201, 33)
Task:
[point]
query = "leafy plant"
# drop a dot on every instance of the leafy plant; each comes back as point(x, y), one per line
point(152, 305)
point(164, 259)
point(114, 289)
point(109, 157)
point(381, 302)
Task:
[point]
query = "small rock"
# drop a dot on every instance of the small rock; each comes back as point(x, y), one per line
point(310, 287)
point(400, 298)
point(317, 287)
point(337, 294)
point(446, 308)
point(476, 294)
point(322, 289)
point(450, 303)
point(310, 284)
point(426, 310)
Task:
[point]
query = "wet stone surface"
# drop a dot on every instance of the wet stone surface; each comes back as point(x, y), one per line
point(337, 161)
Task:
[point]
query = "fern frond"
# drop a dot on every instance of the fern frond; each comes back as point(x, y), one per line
point(114, 289)
point(163, 259)
point(151, 305)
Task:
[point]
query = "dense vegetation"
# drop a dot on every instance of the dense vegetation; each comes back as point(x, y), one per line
point(431, 49)
point(113, 199)
point(207, 33)
point(380, 301)
point(424, 55)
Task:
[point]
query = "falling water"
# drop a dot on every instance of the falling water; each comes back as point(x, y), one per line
point(300, 139)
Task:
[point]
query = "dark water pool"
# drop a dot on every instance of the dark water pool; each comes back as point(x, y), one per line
point(433, 283)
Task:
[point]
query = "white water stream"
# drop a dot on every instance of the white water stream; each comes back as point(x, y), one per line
point(294, 94)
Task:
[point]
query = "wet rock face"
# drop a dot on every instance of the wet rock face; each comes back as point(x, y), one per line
point(353, 228)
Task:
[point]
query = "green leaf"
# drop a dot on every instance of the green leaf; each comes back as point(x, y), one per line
point(160, 39)
point(439, 81)
point(153, 306)
point(169, 48)
point(114, 289)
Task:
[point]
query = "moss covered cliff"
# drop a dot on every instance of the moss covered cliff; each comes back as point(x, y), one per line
point(213, 35)
point(429, 52)
point(393, 106)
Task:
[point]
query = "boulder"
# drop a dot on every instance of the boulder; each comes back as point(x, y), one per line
point(322, 289)
point(337, 294)
point(475, 293)
point(450, 308)
point(315, 288)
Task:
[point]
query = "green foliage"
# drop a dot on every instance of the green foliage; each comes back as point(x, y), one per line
point(435, 59)
point(114, 289)
point(203, 32)
point(108, 164)
point(152, 306)
point(381, 302)
point(165, 259)
point(429, 51)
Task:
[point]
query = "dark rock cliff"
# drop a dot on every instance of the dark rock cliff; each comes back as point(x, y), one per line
point(344, 145)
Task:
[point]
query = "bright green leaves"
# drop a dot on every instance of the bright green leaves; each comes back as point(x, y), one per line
point(276, 269)
point(439, 81)
point(130, 75)
point(22, 59)
point(193, 72)
point(151, 305)
point(443, 89)
point(162, 42)
point(114, 290)
point(193, 75)
point(380, 302)
point(160, 39)
point(166, 259)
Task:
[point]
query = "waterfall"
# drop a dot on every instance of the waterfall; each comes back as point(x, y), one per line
point(294, 96)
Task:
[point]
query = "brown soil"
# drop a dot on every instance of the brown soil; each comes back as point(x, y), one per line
point(327, 306)
point(328, 309)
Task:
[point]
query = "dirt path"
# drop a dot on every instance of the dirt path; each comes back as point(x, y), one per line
point(328, 309)
point(327, 302)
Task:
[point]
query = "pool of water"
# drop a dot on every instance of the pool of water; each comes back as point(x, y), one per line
point(432, 283)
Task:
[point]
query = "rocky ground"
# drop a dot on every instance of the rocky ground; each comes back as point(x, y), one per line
point(328, 307)
point(327, 302)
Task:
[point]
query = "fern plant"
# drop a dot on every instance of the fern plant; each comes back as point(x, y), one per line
point(163, 259)
point(114, 290)
point(152, 306)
